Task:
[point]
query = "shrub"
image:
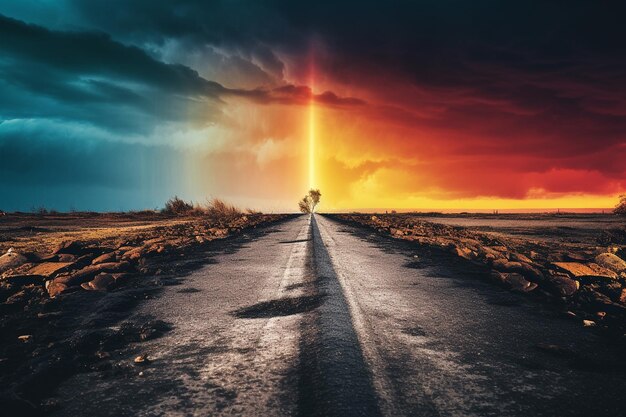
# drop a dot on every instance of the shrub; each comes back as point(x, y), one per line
point(620, 208)
point(219, 209)
point(177, 206)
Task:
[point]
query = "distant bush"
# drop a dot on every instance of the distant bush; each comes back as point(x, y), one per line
point(620, 208)
point(42, 211)
point(177, 206)
point(219, 209)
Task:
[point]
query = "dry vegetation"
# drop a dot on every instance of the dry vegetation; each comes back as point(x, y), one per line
point(67, 243)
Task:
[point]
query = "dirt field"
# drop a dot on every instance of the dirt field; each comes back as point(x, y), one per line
point(575, 228)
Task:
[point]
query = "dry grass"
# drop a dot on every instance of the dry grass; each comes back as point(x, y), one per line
point(215, 209)
point(220, 209)
point(177, 206)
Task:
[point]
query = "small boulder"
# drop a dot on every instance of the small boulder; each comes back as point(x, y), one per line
point(90, 271)
point(576, 257)
point(50, 268)
point(563, 285)
point(107, 257)
point(56, 287)
point(579, 270)
point(70, 247)
point(463, 252)
point(520, 258)
point(66, 257)
point(134, 253)
point(141, 359)
point(103, 282)
point(11, 259)
point(517, 282)
point(531, 273)
point(611, 261)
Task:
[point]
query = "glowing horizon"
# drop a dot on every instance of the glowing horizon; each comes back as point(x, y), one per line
point(311, 144)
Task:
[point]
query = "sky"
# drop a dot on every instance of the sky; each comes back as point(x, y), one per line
point(426, 105)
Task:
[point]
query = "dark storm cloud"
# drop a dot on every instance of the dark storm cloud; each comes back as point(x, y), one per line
point(530, 86)
point(539, 56)
point(91, 77)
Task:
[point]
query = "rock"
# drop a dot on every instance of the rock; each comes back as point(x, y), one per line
point(499, 248)
point(134, 253)
point(531, 273)
point(611, 288)
point(103, 282)
point(487, 253)
point(55, 287)
point(83, 261)
point(11, 259)
point(622, 297)
point(66, 257)
point(90, 271)
point(142, 359)
point(71, 247)
point(107, 257)
point(462, 252)
point(504, 265)
point(611, 261)
point(563, 285)
point(592, 300)
point(517, 282)
point(50, 268)
point(520, 258)
point(579, 270)
point(576, 257)
point(220, 232)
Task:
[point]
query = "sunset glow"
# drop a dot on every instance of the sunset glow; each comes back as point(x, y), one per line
point(129, 119)
point(311, 144)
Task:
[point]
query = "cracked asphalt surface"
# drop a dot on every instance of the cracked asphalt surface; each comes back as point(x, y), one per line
point(314, 317)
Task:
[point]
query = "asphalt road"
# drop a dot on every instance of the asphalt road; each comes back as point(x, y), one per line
point(320, 318)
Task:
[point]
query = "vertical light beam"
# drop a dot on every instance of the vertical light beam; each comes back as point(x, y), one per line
point(311, 144)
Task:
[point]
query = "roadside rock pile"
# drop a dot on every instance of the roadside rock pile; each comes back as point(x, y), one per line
point(91, 265)
point(589, 280)
point(69, 282)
